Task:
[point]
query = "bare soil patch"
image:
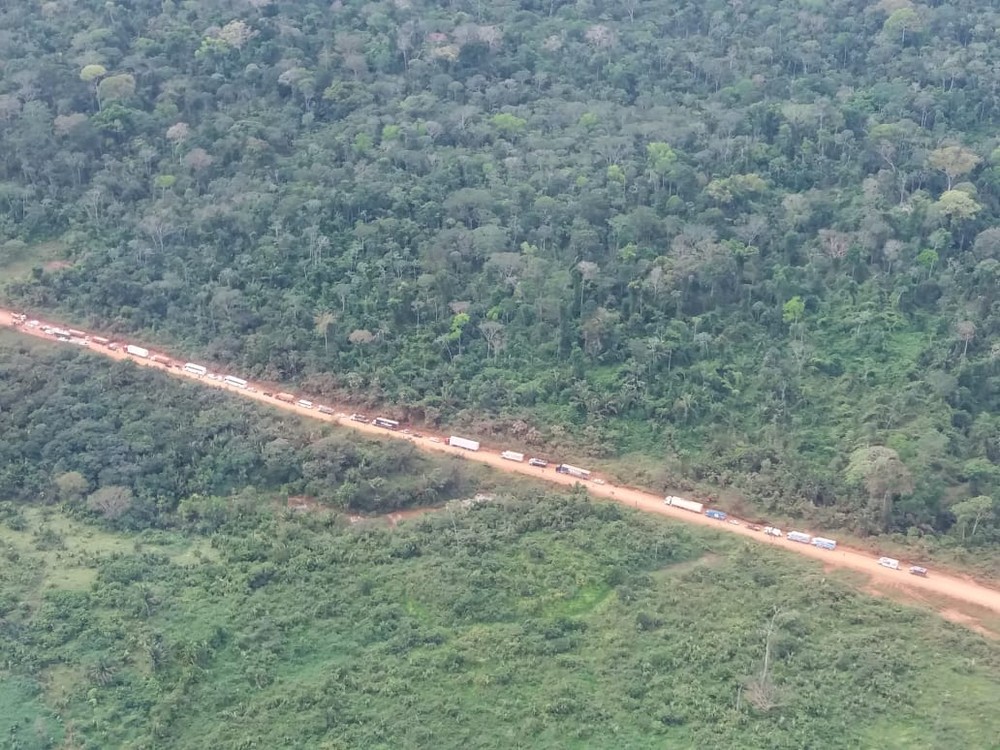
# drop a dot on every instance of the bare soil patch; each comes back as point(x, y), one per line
point(961, 618)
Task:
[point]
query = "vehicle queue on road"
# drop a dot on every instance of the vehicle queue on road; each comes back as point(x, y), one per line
point(200, 371)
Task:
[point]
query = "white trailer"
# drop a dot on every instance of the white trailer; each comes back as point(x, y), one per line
point(238, 382)
point(137, 351)
point(798, 536)
point(512, 456)
point(680, 502)
point(573, 471)
point(461, 442)
point(194, 369)
point(824, 543)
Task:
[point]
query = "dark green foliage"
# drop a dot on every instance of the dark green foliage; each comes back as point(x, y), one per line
point(544, 623)
point(745, 238)
point(156, 443)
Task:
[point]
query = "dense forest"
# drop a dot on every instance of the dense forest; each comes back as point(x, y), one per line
point(756, 242)
point(119, 443)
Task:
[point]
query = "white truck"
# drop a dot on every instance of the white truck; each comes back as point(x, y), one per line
point(137, 351)
point(680, 502)
point(461, 442)
point(512, 456)
point(194, 369)
point(238, 382)
point(573, 471)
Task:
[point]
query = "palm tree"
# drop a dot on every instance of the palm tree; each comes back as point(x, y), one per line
point(323, 321)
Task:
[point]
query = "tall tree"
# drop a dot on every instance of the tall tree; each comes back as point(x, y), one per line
point(882, 474)
point(322, 322)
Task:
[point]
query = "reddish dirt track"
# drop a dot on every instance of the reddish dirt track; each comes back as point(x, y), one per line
point(949, 586)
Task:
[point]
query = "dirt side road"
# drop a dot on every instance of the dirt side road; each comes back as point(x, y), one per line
point(939, 584)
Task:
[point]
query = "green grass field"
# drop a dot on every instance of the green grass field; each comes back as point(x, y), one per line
point(17, 259)
point(542, 623)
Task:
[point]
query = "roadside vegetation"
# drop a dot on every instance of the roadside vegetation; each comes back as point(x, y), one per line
point(756, 242)
point(135, 447)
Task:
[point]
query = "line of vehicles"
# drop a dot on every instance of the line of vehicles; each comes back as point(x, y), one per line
point(792, 536)
point(74, 336)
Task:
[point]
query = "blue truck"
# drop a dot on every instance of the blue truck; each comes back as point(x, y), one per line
point(718, 515)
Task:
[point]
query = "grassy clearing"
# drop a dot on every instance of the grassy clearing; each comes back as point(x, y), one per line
point(63, 551)
point(17, 259)
point(551, 623)
point(26, 723)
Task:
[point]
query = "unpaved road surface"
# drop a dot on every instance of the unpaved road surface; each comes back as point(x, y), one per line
point(950, 586)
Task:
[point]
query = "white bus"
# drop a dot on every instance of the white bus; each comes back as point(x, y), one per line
point(389, 424)
point(194, 369)
point(238, 382)
point(304, 404)
point(888, 562)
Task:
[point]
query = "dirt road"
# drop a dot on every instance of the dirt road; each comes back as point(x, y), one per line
point(949, 586)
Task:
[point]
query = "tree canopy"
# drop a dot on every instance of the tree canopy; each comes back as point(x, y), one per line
point(739, 238)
